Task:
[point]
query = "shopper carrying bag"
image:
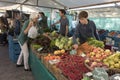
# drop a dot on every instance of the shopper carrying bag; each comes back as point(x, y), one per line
point(23, 40)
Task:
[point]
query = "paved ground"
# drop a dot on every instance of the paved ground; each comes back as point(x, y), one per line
point(8, 69)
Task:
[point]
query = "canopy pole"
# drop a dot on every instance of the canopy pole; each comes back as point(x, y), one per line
point(37, 2)
point(51, 19)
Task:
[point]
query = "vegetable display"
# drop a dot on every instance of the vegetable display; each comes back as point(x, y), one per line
point(96, 43)
point(64, 43)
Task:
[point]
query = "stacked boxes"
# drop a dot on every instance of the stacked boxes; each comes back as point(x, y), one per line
point(14, 49)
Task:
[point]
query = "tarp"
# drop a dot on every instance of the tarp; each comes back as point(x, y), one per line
point(56, 3)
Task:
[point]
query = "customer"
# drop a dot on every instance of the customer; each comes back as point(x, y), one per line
point(17, 24)
point(23, 41)
point(5, 21)
point(3, 31)
point(64, 23)
point(85, 29)
point(42, 20)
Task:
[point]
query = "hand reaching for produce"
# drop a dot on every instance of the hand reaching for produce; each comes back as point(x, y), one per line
point(75, 46)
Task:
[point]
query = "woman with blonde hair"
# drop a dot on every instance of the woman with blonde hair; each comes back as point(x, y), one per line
point(23, 38)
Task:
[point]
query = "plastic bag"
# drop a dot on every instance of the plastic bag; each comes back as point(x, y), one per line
point(33, 32)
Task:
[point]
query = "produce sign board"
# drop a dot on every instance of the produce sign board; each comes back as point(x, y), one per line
point(100, 74)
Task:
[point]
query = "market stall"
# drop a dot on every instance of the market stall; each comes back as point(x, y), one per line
point(52, 56)
point(64, 63)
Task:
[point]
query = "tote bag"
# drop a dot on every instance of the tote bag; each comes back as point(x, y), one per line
point(33, 32)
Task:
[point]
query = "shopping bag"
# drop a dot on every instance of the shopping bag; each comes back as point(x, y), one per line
point(33, 32)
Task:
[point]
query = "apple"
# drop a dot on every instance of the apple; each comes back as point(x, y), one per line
point(98, 55)
point(112, 66)
point(102, 53)
point(106, 63)
point(116, 59)
point(107, 51)
point(117, 65)
point(102, 50)
point(94, 50)
point(87, 61)
point(94, 63)
point(111, 62)
point(62, 51)
point(98, 52)
point(92, 53)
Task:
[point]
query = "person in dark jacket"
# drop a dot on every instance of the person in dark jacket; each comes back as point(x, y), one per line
point(84, 30)
point(17, 24)
point(42, 20)
point(5, 21)
point(4, 28)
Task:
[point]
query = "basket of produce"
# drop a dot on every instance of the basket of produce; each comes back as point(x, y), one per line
point(98, 54)
point(50, 59)
point(72, 67)
point(112, 71)
point(42, 44)
point(91, 64)
point(113, 62)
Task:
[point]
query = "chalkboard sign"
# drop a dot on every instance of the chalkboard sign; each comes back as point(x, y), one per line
point(100, 74)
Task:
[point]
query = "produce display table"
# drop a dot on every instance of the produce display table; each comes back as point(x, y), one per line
point(38, 69)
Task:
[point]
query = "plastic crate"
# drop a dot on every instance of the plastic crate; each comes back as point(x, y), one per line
point(14, 49)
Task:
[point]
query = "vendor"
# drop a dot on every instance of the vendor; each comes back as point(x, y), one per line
point(84, 30)
point(64, 23)
point(42, 20)
point(23, 38)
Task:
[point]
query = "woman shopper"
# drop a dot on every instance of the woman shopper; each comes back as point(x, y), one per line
point(23, 38)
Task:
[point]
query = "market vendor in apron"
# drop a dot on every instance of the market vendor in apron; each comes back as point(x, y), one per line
point(64, 23)
point(84, 30)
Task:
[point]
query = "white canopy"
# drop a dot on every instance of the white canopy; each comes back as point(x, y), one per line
point(47, 5)
point(56, 3)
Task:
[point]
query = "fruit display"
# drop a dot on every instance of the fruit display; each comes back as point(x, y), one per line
point(72, 66)
point(91, 64)
point(113, 61)
point(64, 43)
point(59, 52)
point(98, 54)
point(51, 57)
point(96, 43)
